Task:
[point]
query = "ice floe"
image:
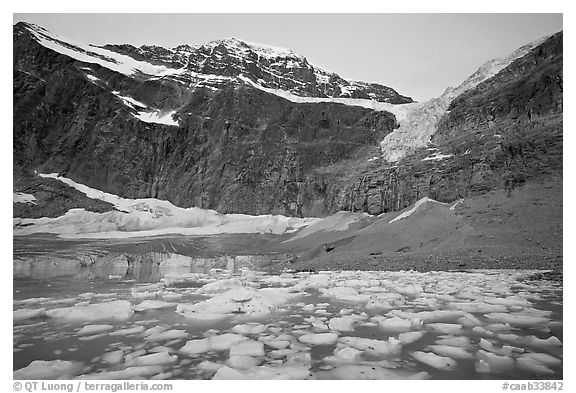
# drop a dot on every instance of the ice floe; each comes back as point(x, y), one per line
point(24, 313)
point(93, 329)
point(49, 369)
point(117, 310)
point(436, 361)
point(319, 338)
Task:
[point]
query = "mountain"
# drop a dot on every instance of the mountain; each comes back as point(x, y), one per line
point(247, 128)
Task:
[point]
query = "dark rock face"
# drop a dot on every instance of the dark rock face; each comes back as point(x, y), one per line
point(238, 149)
point(53, 198)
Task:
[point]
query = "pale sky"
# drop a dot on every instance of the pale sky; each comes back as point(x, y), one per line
point(418, 55)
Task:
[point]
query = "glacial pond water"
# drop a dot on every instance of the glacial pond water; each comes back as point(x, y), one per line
point(244, 324)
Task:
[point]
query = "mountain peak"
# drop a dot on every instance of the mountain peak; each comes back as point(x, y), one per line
point(264, 50)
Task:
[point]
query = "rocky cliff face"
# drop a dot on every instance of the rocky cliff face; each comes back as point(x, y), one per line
point(199, 126)
point(234, 149)
point(502, 133)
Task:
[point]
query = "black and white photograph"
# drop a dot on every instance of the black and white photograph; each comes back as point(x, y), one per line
point(287, 196)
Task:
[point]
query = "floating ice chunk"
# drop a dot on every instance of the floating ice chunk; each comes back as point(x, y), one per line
point(118, 310)
point(342, 324)
point(167, 335)
point(410, 337)
point(277, 280)
point(247, 301)
point(533, 366)
point(454, 341)
point(544, 358)
point(400, 325)
point(162, 348)
point(126, 332)
point(358, 372)
point(49, 369)
point(160, 358)
point(506, 350)
point(483, 332)
point(114, 357)
point(247, 348)
point(194, 347)
point(319, 338)
point(35, 300)
point(445, 328)
point(344, 355)
point(153, 305)
point(391, 347)
point(433, 360)
point(469, 320)
point(277, 344)
point(452, 352)
point(243, 362)
point(428, 316)
point(534, 341)
point(499, 327)
point(280, 353)
point(91, 338)
point(25, 313)
point(249, 328)
point(92, 329)
point(345, 293)
point(136, 372)
point(221, 342)
point(478, 307)
point(493, 363)
point(510, 301)
point(318, 324)
point(264, 372)
point(150, 290)
point(221, 285)
point(409, 290)
point(517, 319)
point(209, 366)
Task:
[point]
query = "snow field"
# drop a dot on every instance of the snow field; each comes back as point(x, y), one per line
point(150, 217)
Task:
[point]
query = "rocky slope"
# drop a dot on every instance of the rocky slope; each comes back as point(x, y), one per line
point(504, 132)
point(241, 127)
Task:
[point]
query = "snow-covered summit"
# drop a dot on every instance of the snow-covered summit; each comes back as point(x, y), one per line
point(237, 44)
point(214, 64)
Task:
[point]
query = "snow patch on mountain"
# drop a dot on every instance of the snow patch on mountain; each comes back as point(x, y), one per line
point(416, 206)
point(146, 114)
point(240, 45)
point(150, 217)
point(91, 54)
point(437, 156)
point(400, 111)
point(20, 197)
point(158, 117)
point(421, 120)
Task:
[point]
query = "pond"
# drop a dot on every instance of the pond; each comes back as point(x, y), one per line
point(245, 324)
